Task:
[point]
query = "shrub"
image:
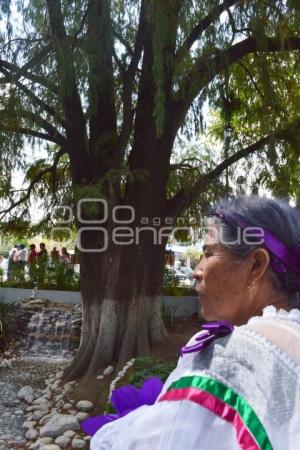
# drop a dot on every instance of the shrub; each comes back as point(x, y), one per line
point(146, 367)
point(179, 291)
point(5, 334)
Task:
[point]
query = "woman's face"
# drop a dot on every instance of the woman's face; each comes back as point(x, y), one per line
point(222, 282)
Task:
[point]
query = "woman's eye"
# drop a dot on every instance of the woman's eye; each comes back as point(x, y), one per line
point(207, 254)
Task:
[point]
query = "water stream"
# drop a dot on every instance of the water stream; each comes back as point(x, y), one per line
point(54, 332)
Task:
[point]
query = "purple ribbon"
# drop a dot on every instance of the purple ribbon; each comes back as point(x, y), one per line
point(211, 331)
point(125, 399)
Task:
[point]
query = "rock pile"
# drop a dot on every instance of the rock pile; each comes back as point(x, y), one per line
point(9, 356)
point(53, 422)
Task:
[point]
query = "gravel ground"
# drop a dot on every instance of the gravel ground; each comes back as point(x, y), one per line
point(25, 371)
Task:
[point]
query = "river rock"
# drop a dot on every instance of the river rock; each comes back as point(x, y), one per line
point(58, 424)
point(78, 443)
point(56, 385)
point(84, 405)
point(26, 393)
point(108, 371)
point(31, 434)
point(39, 414)
point(45, 419)
point(41, 406)
point(40, 400)
point(37, 394)
point(29, 424)
point(67, 405)
point(69, 433)
point(41, 442)
point(63, 441)
point(61, 403)
point(81, 416)
point(50, 447)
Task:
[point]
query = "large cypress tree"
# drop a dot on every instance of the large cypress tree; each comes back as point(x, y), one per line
point(107, 85)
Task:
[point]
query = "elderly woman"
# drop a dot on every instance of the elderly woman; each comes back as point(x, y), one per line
point(234, 387)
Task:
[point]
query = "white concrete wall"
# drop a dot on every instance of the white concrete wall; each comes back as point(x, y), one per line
point(10, 295)
point(181, 306)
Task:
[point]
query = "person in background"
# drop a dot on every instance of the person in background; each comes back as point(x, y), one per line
point(66, 260)
point(42, 259)
point(32, 261)
point(2, 268)
point(21, 262)
point(12, 263)
point(54, 256)
point(65, 256)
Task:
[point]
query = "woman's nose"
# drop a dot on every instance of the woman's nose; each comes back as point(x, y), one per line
point(197, 273)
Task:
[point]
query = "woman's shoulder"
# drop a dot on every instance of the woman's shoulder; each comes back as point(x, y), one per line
point(259, 361)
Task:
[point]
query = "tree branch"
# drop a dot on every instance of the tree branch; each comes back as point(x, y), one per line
point(201, 27)
point(76, 129)
point(205, 69)
point(128, 86)
point(101, 81)
point(36, 179)
point(43, 81)
point(185, 198)
point(251, 79)
point(29, 132)
point(123, 42)
point(47, 108)
point(39, 121)
point(17, 72)
point(34, 61)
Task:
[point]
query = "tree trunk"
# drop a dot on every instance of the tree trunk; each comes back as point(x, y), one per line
point(121, 305)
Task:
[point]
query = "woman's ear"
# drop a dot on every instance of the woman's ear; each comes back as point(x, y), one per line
point(260, 260)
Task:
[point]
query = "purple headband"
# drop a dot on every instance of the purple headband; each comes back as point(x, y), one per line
point(284, 257)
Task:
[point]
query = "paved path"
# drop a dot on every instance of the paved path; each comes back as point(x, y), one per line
point(25, 371)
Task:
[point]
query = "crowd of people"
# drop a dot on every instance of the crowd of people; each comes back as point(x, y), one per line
point(37, 261)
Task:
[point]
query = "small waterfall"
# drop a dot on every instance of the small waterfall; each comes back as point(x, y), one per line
point(54, 332)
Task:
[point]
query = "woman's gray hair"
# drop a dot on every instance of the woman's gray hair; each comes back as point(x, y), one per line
point(275, 216)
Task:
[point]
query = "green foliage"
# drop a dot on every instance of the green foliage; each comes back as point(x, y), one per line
point(168, 278)
point(146, 367)
point(62, 277)
point(258, 94)
point(5, 334)
point(179, 291)
point(160, 24)
point(57, 276)
point(90, 209)
point(194, 254)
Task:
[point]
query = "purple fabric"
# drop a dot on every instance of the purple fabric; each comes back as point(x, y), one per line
point(91, 425)
point(124, 400)
point(284, 257)
point(211, 331)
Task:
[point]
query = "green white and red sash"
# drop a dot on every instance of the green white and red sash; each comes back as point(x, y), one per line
point(225, 403)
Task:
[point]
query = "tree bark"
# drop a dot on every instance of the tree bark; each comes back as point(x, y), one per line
point(121, 306)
